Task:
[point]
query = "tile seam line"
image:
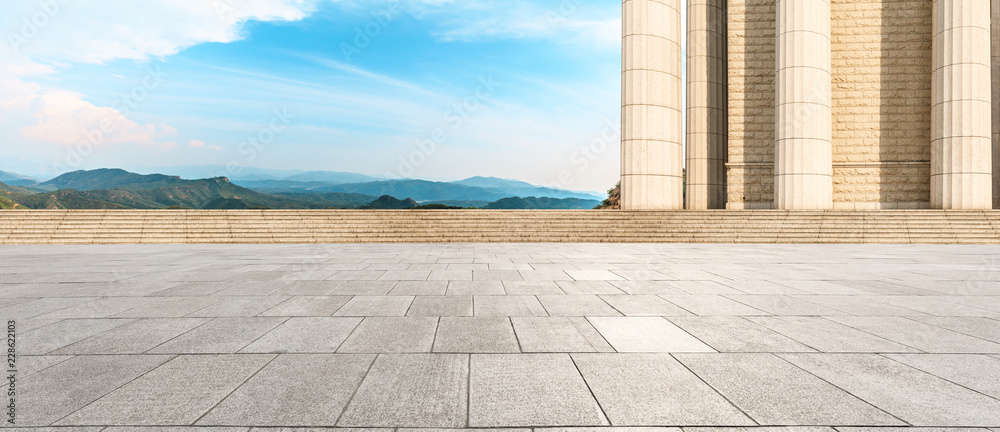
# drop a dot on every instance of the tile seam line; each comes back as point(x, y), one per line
point(228, 395)
point(723, 396)
point(604, 413)
point(355, 392)
point(886, 356)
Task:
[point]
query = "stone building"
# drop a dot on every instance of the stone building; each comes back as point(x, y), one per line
point(812, 104)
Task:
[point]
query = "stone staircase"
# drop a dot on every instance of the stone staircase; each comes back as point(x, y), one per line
point(482, 226)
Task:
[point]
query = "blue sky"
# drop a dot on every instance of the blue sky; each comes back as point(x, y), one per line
point(433, 89)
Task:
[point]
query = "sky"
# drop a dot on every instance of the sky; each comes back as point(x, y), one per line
point(430, 89)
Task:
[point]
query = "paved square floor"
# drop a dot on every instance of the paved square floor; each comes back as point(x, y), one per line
point(561, 338)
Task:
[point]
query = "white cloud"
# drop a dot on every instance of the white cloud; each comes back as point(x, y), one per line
point(65, 118)
point(196, 143)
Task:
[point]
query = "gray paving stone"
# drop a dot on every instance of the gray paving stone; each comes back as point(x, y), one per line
point(102, 308)
point(475, 335)
point(378, 335)
point(496, 275)
point(775, 392)
point(783, 305)
point(646, 334)
point(243, 306)
point(712, 305)
point(47, 339)
point(135, 337)
point(41, 306)
point(305, 335)
point(860, 305)
point(441, 306)
point(57, 391)
point(647, 287)
point(287, 392)
point(29, 365)
point(703, 287)
point(923, 337)
point(582, 287)
point(309, 288)
point(593, 275)
point(545, 275)
point(356, 275)
point(305, 306)
point(760, 287)
point(641, 275)
point(474, 288)
point(977, 372)
point(914, 396)
point(735, 334)
point(940, 306)
point(577, 306)
point(412, 390)
point(364, 288)
point(983, 328)
point(532, 288)
point(170, 307)
point(450, 275)
point(219, 336)
point(654, 389)
point(165, 395)
point(508, 306)
point(365, 306)
point(405, 275)
point(643, 305)
point(558, 334)
point(827, 336)
point(529, 390)
point(420, 288)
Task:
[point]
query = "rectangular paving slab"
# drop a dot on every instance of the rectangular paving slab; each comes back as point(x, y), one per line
point(530, 390)
point(825, 335)
point(379, 335)
point(475, 335)
point(508, 306)
point(49, 338)
point(775, 392)
point(220, 336)
point(294, 390)
point(924, 337)
point(558, 334)
point(441, 306)
point(735, 334)
point(654, 389)
point(366, 306)
point(308, 306)
point(166, 396)
point(136, 337)
point(977, 372)
point(577, 306)
point(646, 334)
point(412, 390)
point(305, 335)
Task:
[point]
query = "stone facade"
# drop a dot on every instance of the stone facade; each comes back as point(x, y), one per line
point(995, 5)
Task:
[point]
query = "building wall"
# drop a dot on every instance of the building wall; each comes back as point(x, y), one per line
point(881, 103)
point(751, 103)
point(996, 102)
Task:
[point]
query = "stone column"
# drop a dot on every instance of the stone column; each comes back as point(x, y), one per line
point(707, 104)
point(961, 142)
point(995, 5)
point(652, 153)
point(803, 159)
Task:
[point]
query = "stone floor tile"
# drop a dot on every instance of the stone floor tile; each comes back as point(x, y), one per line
point(364, 306)
point(515, 288)
point(356, 275)
point(294, 390)
point(593, 275)
point(57, 391)
point(305, 335)
point(859, 305)
point(475, 335)
point(641, 275)
point(508, 306)
point(304, 306)
point(558, 334)
point(822, 287)
point(135, 337)
point(827, 336)
point(761, 287)
point(529, 390)
point(364, 288)
point(774, 392)
point(703, 287)
point(475, 288)
point(983, 328)
point(940, 306)
point(884, 288)
point(496, 275)
point(412, 390)
point(219, 336)
point(47, 339)
point(450, 275)
point(643, 305)
point(894, 387)
point(420, 288)
point(378, 335)
point(977, 372)
point(654, 389)
point(577, 305)
point(405, 275)
point(646, 334)
point(544, 275)
point(783, 305)
point(735, 334)
point(254, 288)
point(588, 287)
point(192, 289)
point(29, 365)
point(647, 287)
point(170, 307)
point(309, 288)
point(244, 306)
point(166, 396)
point(41, 306)
point(441, 306)
point(712, 305)
point(923, 337)
point(102, 308)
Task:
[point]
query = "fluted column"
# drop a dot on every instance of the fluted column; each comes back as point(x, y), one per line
point(707, 104)
point(995, 7)
point(652, 153)
point(803, 155)
point(961, 142)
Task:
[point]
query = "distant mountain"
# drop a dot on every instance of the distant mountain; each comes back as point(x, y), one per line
point(462, 204)
point(493, 182)
point(386, 202)
point(331, 177)
point(544, 203)
point(195, 172)
point(110, 179)
point(14, 179)
point(421, 190)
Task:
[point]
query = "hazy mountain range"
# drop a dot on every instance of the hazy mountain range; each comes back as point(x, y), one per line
point(114, 188)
